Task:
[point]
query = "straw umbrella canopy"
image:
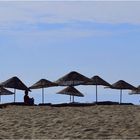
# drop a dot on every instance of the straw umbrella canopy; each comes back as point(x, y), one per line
point(96, 80)
point(43, 83)
point(15, 83)
point(72, 79)
point(4, 91)
point(122, 85)
point(135, 91)
point(71, 91)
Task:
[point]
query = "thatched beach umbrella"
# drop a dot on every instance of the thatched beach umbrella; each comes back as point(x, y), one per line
point(43, 83)
point(15, 83)
point(72, 79)
point(135, 91)
point(71, 91)
point(96, 80)
point(4, 91)
point(122, 85)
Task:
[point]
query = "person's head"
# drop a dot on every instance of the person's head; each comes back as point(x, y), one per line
point(26, 92)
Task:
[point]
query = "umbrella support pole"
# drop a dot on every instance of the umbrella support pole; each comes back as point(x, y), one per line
point(73, 99)
point(120, 96)
point(70, 98)
point(96, 95)
point(42, 95)
point(0, 98)
point(14, 95)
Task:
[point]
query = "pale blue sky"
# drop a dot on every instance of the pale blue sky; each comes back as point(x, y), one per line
point(49, 39)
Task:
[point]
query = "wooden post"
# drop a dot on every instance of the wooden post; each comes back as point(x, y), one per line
point(14, 95)
point(120, 96)
point(42, 95)
point(96, 95)
point(70, 98)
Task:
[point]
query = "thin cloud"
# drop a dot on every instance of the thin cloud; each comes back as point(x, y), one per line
point(49, 21)
point(68, 12)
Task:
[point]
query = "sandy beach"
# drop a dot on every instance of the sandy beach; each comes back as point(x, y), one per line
point(42, 122)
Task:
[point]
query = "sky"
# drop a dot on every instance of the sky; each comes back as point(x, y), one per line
point(48, 39)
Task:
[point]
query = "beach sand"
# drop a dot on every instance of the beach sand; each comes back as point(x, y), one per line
point(94, 122)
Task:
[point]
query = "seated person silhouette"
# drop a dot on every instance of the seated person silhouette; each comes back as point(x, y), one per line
point(27, 100)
